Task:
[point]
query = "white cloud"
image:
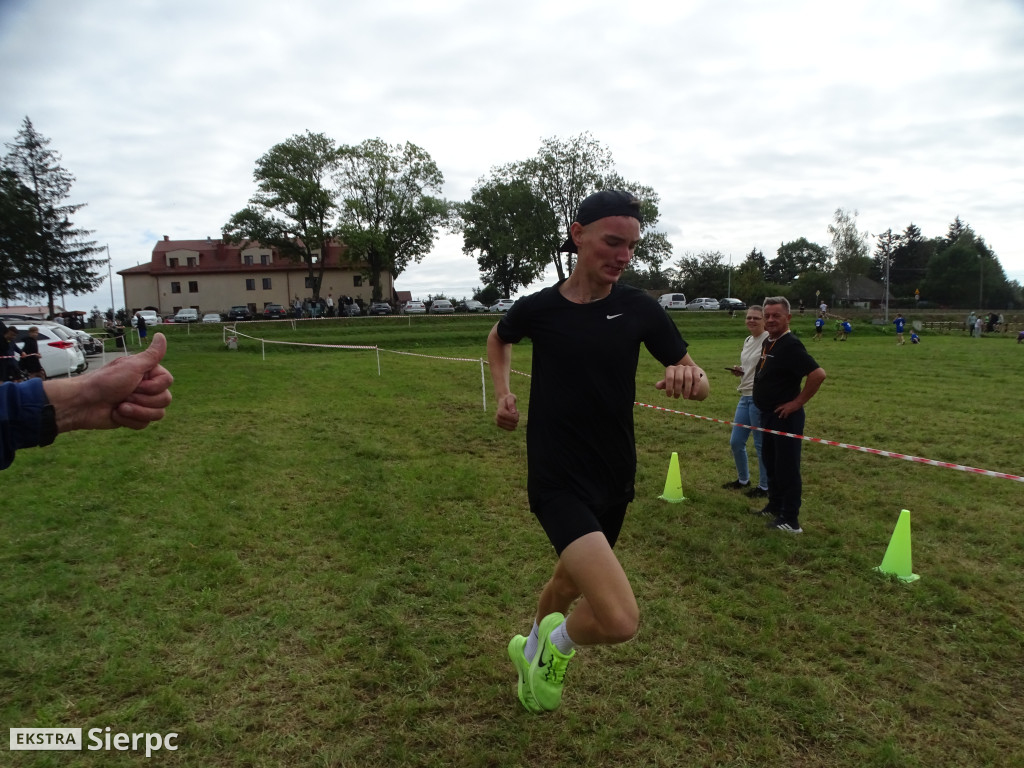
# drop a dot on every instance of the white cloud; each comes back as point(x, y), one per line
point(753, 121)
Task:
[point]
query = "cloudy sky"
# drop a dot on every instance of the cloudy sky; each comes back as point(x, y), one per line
point(752, 120)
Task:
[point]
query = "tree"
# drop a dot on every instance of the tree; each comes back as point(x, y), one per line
point(294, 209)
point(50, 255)
point(389, 217)
point(748, 280)
point(805, 255)
point(885, 252)
point(512, 230)
point(966, 273)
point(910, 261)
point(17, 228)
point(704, 273)
point(849, 246)
point(563, 173)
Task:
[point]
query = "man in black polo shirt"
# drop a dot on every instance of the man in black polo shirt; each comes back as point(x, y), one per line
point(777, 393)
point(581, 455)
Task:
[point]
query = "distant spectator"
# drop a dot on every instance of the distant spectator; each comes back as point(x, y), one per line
point(9, 370)
point(140, 326)
point(979, 325)
point(31, 364)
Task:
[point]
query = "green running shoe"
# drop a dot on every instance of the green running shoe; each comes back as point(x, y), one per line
point(547, 671)
point(516, 646)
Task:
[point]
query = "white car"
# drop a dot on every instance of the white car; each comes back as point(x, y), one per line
point(441, 307)
point(702, 304)
point(150, 316)
point(502, 305)
point(414, 308)
point(186, 315)
point(212, 317)
point(672, 300)
point(60, 354)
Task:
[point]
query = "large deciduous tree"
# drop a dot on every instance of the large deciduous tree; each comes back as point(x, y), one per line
point(512, 230)
point(294, 208)
point(45, 254)
point(849, 246)
point(564, 172)
point(390, 203)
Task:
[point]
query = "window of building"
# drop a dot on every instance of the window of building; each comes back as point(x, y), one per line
point(309, 282)
point(193, 286)
point(247, 259)
point(172, 262)
point(175, 287)
point(357, 281)
point(266, 283)
point(250, 284)
point(264, 258)
point(192, 261)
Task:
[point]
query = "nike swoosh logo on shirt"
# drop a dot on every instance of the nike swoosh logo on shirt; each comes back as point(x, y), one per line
point(612, 317)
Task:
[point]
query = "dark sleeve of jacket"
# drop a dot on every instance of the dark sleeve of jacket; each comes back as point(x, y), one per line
point(22, 418)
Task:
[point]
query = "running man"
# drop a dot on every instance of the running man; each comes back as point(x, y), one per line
point(581, 455)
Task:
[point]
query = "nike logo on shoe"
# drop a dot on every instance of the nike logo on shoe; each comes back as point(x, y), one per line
point(612, 317)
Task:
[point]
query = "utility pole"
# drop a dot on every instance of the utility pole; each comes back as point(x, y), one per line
point(110, 278)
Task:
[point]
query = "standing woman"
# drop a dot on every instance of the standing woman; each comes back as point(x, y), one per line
point(746, 412)
point(30, 357)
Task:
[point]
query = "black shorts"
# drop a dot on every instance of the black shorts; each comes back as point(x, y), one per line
point(566, 518)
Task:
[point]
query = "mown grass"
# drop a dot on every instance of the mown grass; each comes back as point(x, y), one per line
point(310, 564)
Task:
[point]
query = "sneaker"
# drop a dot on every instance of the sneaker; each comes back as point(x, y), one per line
point(779, 524)
point(516, 646)
point(547, 670)
point(735, 485)
point(768, 511)
point(757, 492)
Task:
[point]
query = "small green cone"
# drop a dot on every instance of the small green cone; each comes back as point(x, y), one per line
point(673, 483)
point(897, 556)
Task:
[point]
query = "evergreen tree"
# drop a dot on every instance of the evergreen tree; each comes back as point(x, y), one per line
point(54, 258)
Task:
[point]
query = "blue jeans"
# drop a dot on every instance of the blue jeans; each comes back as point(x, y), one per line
point(747, 413)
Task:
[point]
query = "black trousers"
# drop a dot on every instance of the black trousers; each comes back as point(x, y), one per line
point(782, 459)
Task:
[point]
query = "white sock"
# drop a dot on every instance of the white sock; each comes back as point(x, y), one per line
point(532, 641)
point(561, 640)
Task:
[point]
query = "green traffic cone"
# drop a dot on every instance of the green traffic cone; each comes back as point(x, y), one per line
point(673, 483)
point(897, 556)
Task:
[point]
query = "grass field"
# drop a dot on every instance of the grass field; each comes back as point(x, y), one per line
point(310, 564)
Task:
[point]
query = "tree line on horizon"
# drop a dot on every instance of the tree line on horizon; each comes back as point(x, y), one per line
point(384, 203)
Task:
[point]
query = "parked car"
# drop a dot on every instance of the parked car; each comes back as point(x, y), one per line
point(703, 304)
point(379, 308)
point(502, 305)
point(414, 308)
point(212, 317)
point(672, 300)
point(274, 312)
point(733, 305)
point(90, 345)
point(187, 315)
point(240, 312)
point(441, 307)
point(472, 305)
point(150, 316)
point(59, 352)
point(350, 310)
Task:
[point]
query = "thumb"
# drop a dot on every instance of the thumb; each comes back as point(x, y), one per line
point(154, 353)
point(660, 384)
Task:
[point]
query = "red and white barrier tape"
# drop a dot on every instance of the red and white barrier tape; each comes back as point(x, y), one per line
point(851, 446)
point(823, 441)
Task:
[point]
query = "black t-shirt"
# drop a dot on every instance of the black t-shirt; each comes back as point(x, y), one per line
point(783, 365)
point(579, 433)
